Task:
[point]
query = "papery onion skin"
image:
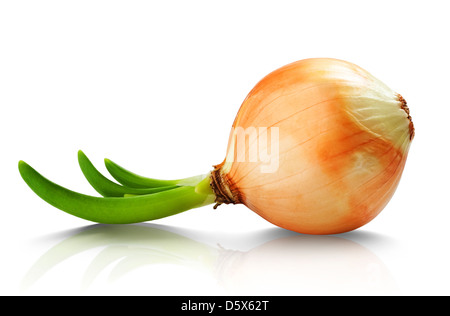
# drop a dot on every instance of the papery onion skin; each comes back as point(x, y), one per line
point(343, 141)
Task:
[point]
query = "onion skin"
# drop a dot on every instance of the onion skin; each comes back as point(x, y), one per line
point(343, 142)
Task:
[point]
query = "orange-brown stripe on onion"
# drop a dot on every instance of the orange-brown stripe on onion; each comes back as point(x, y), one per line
point(318, 147)
point(343, 141)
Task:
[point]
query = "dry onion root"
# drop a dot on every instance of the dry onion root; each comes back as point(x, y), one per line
point(317, 147)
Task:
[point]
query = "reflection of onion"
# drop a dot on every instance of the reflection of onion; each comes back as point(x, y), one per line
point(305, 265)
point(284, 265)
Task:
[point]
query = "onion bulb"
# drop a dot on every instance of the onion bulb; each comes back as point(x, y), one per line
point(318, 147)
point(343, 141)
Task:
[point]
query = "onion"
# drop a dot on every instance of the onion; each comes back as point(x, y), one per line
point(318, 147)
point(343, 141)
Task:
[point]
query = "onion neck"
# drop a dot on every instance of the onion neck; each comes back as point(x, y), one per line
point(223, 188)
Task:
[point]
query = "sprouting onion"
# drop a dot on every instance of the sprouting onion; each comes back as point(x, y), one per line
point(318, 147)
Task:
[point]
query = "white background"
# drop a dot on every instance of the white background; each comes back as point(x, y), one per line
point(155, 86)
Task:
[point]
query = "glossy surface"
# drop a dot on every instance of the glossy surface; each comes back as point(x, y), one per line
point(66, 64)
